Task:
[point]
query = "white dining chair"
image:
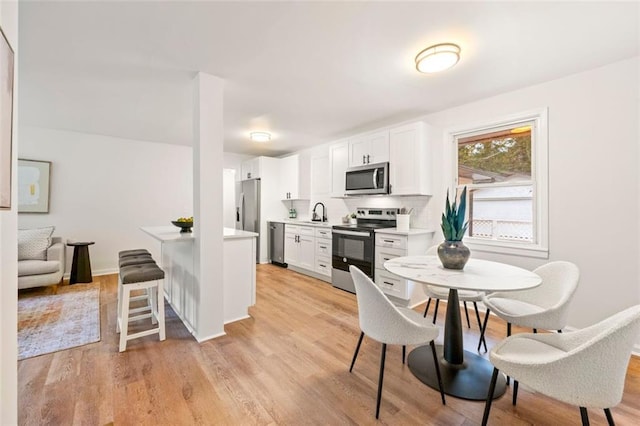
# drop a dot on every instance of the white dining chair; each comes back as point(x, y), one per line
point(543, 307)
point(585, 368)
point(381, 320)
point(464, 296)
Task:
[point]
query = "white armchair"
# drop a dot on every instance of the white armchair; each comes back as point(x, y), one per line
point(381, 320)
point(585, 368)
point(544, 307)
point(48, 270)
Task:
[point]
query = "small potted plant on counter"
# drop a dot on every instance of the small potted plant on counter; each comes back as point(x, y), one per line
point(353, 219)
point(452, 252)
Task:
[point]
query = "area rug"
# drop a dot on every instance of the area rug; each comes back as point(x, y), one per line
point(54, 322)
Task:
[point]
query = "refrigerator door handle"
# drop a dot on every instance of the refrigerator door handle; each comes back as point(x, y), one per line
point(242, 208)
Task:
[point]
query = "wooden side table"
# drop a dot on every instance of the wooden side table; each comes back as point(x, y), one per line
point(81, 266)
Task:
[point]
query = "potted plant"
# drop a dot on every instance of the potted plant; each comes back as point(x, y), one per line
point(452, 252)
point(353, 219)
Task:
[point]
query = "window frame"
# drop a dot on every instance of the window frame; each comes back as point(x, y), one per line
point(539, 181)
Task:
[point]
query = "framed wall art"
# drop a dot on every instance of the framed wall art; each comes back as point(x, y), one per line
point(33, 186)
point(6, 119)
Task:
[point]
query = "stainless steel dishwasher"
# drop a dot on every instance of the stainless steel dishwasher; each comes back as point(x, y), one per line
point(276, 243)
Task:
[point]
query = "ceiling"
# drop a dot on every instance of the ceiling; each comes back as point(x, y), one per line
point(306, 72)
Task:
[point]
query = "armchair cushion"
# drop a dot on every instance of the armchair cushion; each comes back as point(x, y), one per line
point(37, 267)
point(33, 243)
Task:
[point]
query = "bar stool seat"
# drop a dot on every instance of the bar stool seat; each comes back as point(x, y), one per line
point(134, 252)
point(142, 276)
point(135, 260)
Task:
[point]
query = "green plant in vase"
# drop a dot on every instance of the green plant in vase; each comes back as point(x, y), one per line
point(452, 252)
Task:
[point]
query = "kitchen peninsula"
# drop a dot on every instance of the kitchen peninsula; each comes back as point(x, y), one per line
point(182, 290)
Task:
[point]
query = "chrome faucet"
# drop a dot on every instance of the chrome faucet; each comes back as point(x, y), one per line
point(315, 216)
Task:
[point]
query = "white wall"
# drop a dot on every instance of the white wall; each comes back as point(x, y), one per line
point(8, 251)
point(231, 160)
point(593, 179)
point(103, 189)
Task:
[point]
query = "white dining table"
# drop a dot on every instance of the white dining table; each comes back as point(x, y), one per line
point(465, 374)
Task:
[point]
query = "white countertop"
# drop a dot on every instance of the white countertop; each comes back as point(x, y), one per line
point(230, 233)
point(173, 234)
point(411, 231)
point(304, 223)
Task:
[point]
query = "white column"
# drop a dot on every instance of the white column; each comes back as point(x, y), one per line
point(207, 205)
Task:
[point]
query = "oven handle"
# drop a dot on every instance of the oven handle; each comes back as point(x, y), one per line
point(354, 233)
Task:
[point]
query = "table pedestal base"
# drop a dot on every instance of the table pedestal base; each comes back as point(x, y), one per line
point(469, 380)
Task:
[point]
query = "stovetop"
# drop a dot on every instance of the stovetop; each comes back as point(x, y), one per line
point(371, 218)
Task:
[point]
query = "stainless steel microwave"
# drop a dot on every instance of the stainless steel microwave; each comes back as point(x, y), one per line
point(367, 179)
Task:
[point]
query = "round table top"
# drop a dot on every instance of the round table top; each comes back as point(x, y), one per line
point(478, 275)
point(80, 243)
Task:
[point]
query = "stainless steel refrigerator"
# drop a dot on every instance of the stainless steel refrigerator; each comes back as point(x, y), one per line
point(248, 209)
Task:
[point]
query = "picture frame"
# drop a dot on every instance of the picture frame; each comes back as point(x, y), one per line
point(6, 120)
point(34, 177)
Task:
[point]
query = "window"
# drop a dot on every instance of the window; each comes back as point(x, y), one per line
point(504, 167)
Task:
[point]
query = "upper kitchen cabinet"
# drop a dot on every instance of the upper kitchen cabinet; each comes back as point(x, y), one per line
point(369, 148)
point(250, 169)
point(294, 178)
point(409, 160)
point(338, 163)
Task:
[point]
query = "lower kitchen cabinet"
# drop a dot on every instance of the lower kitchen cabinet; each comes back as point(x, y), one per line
point(307, 249)
point(299, 246)
point(391, 244)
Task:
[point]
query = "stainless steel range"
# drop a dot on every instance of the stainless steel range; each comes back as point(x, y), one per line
point(355, 245)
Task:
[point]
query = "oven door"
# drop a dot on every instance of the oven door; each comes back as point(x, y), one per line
point(352, 248)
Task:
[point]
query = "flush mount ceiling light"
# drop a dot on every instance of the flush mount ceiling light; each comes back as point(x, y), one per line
point(260, 136)
point(438, 57)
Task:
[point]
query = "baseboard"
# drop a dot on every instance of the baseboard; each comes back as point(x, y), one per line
point(205, 338)
point(97, 273)
point(237, 319)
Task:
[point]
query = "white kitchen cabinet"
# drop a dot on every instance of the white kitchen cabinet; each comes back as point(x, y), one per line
point(250, 169)
point(338, 163)
point(409, 160)
point(369, 148)
point(299, 246)
point(323, 251)
point(320, 182)
point(294, 178)
point(392, 244)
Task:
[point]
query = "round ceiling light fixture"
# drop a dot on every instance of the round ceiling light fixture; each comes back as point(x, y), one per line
point(438, 57)
point(260, 136)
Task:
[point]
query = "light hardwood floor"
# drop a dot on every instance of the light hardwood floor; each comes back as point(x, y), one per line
point(288, 364)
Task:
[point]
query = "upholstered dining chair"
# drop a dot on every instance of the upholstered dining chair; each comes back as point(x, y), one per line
point(438, 293)
point(381, 320)
point(543, 307)
point(585, 368)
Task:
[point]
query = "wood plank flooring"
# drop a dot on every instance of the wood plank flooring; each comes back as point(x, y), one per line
point(288, 364)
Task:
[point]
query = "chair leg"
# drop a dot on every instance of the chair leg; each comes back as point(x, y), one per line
point(435, 314)
point(437, 364)
point(515, 392)
point(466, 313)
point(404, 352)
point(535, 330)
point(426, 309)
point(487, 405)
point(382, 356)
point(162, 332)
point(607, 412)
point(355, 355)
point(585, 416)
point(124, 319)
point(475, 306)
point(482, 330)
point(508, 334)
